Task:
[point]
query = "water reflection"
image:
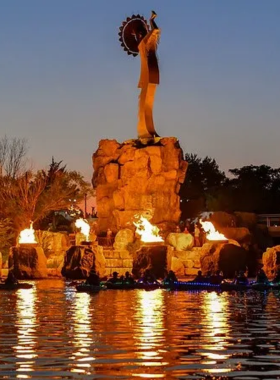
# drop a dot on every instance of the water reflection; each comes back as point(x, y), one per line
point(26, 323)
point(149, 332)
point(82, 334)
point(216, 329)
point(48, 332)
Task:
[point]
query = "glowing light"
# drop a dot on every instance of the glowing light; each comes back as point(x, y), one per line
point(211, 232)
point(27, 236)
point(148, 232)
point(26, 325)
point(84, 226)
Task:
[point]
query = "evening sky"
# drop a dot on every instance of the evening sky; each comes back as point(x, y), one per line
point(66, 83)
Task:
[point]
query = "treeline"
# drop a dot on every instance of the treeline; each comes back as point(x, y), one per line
point(254, 189)
point(27, 195)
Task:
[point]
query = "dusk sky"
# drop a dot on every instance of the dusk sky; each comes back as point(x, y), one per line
point(66, 83)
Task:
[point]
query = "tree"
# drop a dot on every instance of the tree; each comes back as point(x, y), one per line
point(32, 196)
point(203, 180)
point(256, 189)
point(6, 236)
point(12, 156)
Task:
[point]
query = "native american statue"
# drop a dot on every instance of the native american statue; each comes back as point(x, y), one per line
point(137, 37)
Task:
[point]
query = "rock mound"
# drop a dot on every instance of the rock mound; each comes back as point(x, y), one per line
point(131, 178)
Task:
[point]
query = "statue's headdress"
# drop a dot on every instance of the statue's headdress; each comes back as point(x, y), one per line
point(131, 33)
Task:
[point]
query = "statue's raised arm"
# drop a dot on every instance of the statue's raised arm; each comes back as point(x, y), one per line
point(137, 37)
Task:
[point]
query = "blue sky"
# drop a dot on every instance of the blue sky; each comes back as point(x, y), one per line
point(66, 83)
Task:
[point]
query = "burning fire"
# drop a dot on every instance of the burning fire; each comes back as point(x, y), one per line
point(84, 226)
point(148, 232)
point(211, 232)
point(27, 236)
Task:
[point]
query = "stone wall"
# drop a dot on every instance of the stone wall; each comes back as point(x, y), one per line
point(132, 178)
point(117, 261)
point(55, 245)
point(184, 263)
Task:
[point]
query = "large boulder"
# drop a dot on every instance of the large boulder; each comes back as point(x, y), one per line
point(78, 262)
point(240, 234)
point(177, 266)
point(227, 257)
point(180, 241)
point(271, 260)
point(28, 262)
point(123, 238)
point(131, 178)
point(55, 245)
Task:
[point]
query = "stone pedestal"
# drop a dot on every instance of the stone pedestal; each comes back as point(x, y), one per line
point(153, 257)
point(132, 178)
point(28, 262)
point(79, 260)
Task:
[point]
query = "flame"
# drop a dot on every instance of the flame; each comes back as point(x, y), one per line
point(148, 232)
point(211, 232)
point(84, 226)
point(27, 236)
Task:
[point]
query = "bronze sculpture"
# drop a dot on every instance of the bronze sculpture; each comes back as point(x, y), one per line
point(137, 37)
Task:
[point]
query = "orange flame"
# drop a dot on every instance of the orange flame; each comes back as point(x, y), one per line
point(148, 232)
point(84, 226)
point(27, 236)
point(211, 232)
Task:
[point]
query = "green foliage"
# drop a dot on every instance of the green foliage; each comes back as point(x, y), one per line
point(251, 189)
point(256, 189)
point(201, 185)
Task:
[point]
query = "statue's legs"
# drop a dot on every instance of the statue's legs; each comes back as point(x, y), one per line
point(145, 126)
point(150, 96)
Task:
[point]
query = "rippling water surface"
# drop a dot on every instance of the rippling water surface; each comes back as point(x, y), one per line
point(52, 332)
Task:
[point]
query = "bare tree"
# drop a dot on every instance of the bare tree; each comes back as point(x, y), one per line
point(12, 156)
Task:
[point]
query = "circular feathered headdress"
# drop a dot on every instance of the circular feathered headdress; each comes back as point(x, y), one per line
point(131, 32)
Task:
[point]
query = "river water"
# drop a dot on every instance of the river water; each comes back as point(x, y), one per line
point(52, 332)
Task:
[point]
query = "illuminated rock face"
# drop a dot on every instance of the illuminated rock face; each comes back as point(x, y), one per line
point(132, 178)
point(153, 258)
point(28, 262)
point(79, 260)
point(271, 260)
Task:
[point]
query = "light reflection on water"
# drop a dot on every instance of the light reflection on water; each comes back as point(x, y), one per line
point(50, 332)
point(82, 334)
point(25, 350)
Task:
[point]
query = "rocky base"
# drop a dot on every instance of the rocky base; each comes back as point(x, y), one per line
point(132, 178)
point(184, 263)
point(79, 260)
point(28, 263)
point(54, 244)
point(212, 256)
point(150, 257)
point(271, 261)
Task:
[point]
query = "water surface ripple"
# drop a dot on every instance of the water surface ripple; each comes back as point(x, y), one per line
point(52, 332)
